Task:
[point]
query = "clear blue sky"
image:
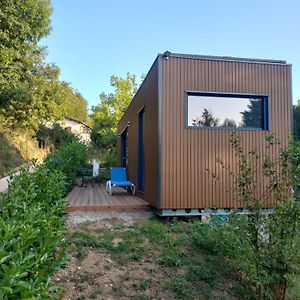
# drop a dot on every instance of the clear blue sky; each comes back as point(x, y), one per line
point(94, 39)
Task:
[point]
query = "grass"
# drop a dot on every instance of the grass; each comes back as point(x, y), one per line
point(168, 245)
point(141, 296)
point(294, 290)
point(96, 292)
point(132, 243)
point(184, 257)
point(16, 151)
point(10, 156)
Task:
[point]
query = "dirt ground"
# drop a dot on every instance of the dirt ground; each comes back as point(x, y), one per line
point(107, 219)
point(93, 273)
point(97, 276)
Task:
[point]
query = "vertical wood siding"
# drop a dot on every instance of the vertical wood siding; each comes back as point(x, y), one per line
point(147, 96)
point(188, 153)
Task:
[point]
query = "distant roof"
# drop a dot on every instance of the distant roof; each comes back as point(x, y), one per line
point(71, 119)
point(224, 58)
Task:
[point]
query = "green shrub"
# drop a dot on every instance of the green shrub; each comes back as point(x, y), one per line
point(153, 230)
point(56, 136)
point(266, 248)
point(31, 230)
point(226, 243)
point(68, 160)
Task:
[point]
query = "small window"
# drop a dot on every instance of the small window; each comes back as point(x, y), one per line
point(230, 111)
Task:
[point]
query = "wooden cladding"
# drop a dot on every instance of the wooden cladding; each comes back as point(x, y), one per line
point(189, 154)
point(146, 99)
point(180, 160)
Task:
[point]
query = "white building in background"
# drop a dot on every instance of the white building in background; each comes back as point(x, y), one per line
point(95, 168)
point(80, 129)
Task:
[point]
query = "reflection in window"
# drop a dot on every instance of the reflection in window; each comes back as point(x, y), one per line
point(231, 111)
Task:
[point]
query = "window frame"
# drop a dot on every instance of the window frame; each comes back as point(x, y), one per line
point(265, 113)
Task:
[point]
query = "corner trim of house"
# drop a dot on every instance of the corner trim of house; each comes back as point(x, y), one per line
point(160, 95)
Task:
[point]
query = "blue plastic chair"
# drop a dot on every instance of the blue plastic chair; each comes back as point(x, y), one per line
point(118, 177)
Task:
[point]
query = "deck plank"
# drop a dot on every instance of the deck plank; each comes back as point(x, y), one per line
point(97, 199)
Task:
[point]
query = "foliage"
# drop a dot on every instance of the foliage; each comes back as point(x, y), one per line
point(27, 84)
point(32, 227)
point(207, 119)
point(10, 156)
point(177, 264)
point(107, 114)
point(31, 230)
point(296, 115)
point(68, 160)
point(188, 254)
point(55, 136)
point(23, 24)
point(252, 117)
point(30, 90)
point(25, 105)
point(28, 147)
point(273, 240)
point(229, 123)
point(73, 105)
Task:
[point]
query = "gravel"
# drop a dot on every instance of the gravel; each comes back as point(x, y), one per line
point(105, 218)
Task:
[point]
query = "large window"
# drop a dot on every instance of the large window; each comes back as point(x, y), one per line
point(227, 111)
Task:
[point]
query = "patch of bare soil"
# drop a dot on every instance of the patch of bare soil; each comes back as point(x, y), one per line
point(107, 219)
point(99, 277)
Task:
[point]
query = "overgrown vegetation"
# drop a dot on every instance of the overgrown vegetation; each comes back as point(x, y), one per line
point(32, 226)
point(173, 260)
point(178, 269)
point(67, 160)
point(30, 90)
point(10, 156)
point(272, 241)
point(106, 116)
point(31, 231)
point(296, 121)
point(55, 136)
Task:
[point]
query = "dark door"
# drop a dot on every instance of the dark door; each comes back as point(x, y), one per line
point(141, 152)
point(124, 148)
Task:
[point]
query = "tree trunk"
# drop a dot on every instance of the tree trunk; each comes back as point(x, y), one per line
point(279, 290)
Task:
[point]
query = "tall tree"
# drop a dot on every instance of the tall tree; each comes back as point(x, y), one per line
point(72, 104)
point(28, 85)
point(296, 125)
point(107, 114)
point(207, 119)
point(229, 123)
point(30, 102)
point(23, 24)
point(252, 117)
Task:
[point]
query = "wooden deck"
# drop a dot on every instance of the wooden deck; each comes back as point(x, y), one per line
point(97, 199)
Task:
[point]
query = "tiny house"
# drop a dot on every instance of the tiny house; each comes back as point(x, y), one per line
point(181, 119)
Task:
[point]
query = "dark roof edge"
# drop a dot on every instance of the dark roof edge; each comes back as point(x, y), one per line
point(224, 58)
point(72, 119)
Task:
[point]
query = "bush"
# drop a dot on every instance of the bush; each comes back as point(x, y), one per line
point(68, 161)
point(56, 136)
point(32, 227)
point(31, 230)
point(272, 242)
point(226, 242)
